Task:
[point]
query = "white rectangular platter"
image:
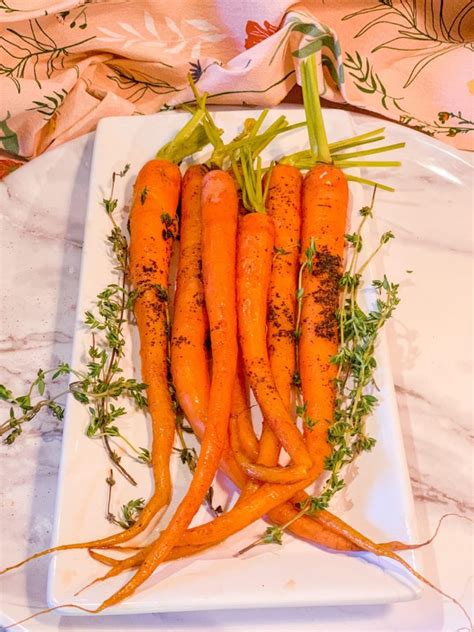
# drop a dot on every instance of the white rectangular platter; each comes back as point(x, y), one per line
point(377, 501)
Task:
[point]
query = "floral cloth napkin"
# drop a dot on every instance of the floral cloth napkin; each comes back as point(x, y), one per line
point(64, 65)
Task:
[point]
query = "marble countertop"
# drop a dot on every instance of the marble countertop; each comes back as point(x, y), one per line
point(42, 210)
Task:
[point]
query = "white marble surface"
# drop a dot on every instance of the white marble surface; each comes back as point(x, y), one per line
point(431, 349)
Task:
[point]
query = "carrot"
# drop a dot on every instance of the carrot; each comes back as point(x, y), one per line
point(190, 328)
point(284, 206)
point(318, 325)
point(255, 252)
point(153, 226)
point(219, 216)
point(325, 198)
point(176, 553)
point(244, 445)
point(189, 362)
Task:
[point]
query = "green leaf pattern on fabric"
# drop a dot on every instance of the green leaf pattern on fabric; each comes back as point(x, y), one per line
point(91, 59)
point(433, 35)
point(8, 138)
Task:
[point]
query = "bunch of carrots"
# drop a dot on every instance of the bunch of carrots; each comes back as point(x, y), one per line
point(244, 233)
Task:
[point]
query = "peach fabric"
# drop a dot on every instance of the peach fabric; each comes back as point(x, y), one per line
point(65, 64)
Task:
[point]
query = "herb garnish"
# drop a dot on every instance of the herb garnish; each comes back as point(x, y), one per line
point(130, 511)
point(170, 229)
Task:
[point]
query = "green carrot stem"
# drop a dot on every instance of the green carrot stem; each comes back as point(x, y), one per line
point(371, 183)
point(212, 131)
point(307, 163)
point(292, 159)
point(191, 138)
point(308, 108)
point(258, 123)
point(368, 152)
point(277, 126)
point(266, 135)
point(305, 155)
point(355, 139)
point(357, 143)
point(343, 164)
point(314, 116)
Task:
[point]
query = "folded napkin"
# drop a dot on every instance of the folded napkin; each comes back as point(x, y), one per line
point(64, 65)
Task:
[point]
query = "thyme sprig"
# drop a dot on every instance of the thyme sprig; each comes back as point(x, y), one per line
point(355, 382)
point(101, 383)
point(129, 512)
point(22, 407)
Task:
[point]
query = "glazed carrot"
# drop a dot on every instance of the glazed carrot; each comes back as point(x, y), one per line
point(284, 206)
point(243, 442)
point(219, 217)
point(243, 453)
point(255, 252)
point(177, 553)
point(190, 327)
point(323, 326)
point(153, 226)
point(325, 199)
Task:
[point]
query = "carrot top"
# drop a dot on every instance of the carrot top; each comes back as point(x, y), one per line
point(191, 138)
point(320, 150)
point(314, 117)
point(246, 162)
